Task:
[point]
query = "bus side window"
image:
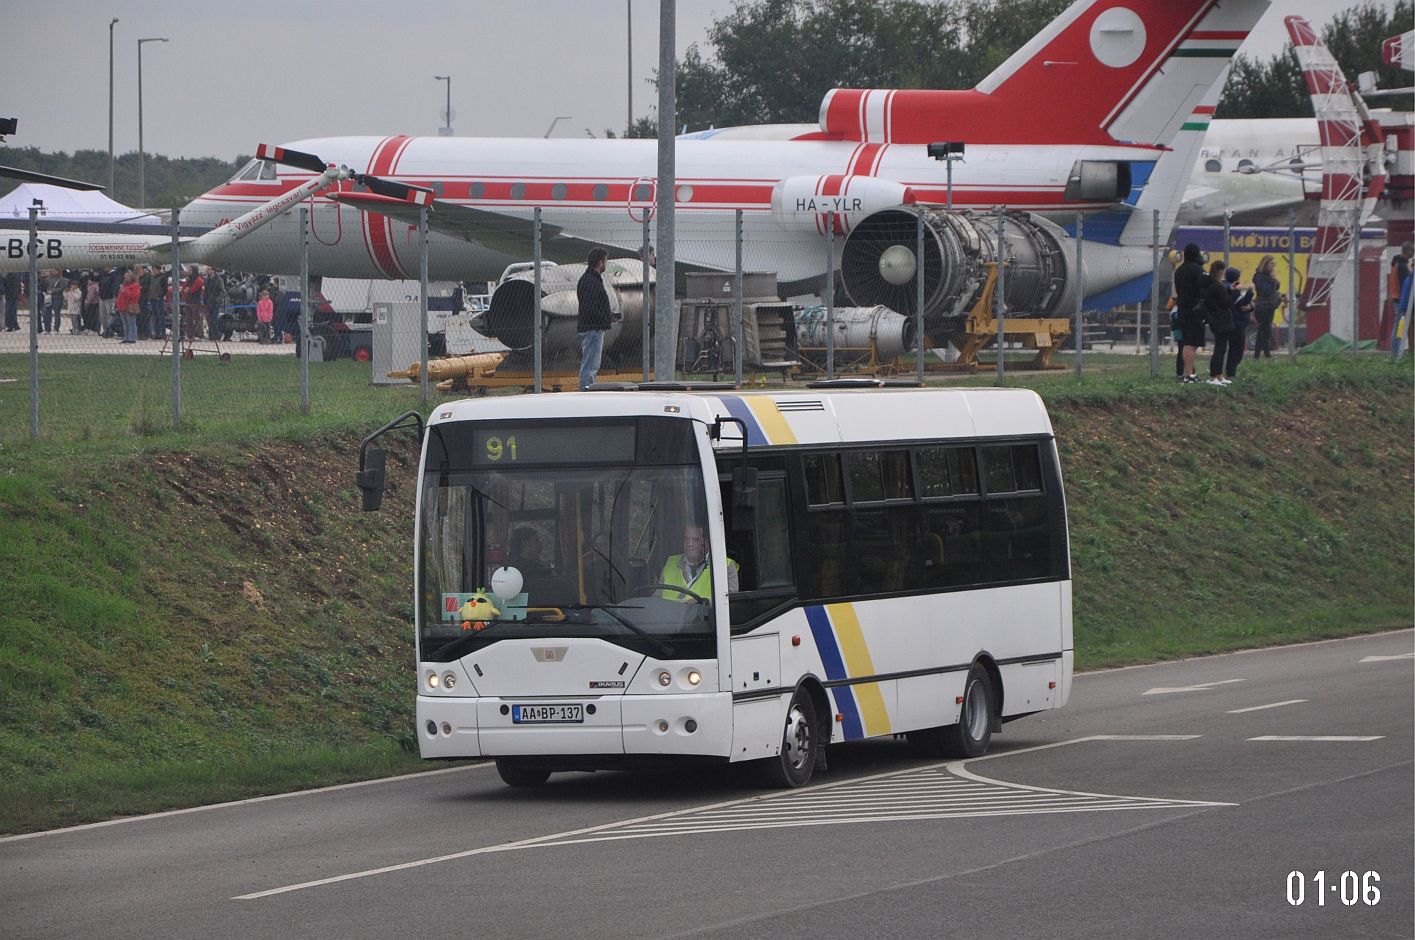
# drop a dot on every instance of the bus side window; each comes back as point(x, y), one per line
point(763, 555)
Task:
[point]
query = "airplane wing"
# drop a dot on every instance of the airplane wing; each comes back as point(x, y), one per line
point(503, 233)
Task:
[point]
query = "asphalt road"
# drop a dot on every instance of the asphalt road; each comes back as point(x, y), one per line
point(1165, 801)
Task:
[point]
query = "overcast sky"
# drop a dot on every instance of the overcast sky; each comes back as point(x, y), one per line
point(237, 74)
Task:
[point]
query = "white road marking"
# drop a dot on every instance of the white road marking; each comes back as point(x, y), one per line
point(1201, 687)
point(1258, 708)
point(939, 791)
point(1318, 737)
point(254, 799)
point(1386, 659)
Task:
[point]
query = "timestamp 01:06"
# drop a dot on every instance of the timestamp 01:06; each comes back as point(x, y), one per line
point(1350, 887)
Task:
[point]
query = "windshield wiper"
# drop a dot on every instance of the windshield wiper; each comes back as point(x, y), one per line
point(457, 647)
point(666, 651)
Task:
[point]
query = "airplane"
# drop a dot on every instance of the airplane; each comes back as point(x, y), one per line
point(1093, 115)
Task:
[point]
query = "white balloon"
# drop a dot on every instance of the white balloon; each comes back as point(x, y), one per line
point(506, 582)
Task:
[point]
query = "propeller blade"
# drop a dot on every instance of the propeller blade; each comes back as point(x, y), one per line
point(417, 195)
point(305, 161)
point(29, 176)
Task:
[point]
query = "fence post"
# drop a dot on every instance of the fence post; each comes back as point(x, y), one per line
point(737, 331)
point(1292, 287)
point(34, 321)
point(422, 304)
point(647, 335)
point(999, 299)
point(174, 329)
point(919, 297)
point(830, 295)
point(1227, 227)
point(1080, 292)
point(536, 339)
point(306, 310)
point(1356, 286)
point(1154, 300)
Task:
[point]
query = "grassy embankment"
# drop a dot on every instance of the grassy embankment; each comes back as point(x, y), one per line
point(201, 615)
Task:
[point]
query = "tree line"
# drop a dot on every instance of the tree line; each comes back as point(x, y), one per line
point(169, 182)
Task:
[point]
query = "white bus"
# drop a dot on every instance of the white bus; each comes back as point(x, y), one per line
point(878, 562)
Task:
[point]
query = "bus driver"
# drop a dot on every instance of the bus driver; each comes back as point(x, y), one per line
point(690, 570)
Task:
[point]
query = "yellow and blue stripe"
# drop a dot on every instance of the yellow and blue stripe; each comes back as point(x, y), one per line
point(840, 641)
point(766, 425)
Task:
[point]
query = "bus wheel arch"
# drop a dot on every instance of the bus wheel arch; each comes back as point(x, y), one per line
point(995, 676)
point(970, 736)
point(810, 685)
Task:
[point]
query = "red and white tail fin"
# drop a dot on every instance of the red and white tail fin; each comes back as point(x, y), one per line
point(1103, 71)
point(1351, 149)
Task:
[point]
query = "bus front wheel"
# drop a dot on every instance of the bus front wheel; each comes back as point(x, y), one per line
point(516, 774)
point(800, 746)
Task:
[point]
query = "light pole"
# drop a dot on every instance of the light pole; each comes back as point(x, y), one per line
point(110, 105)
point(447, 115)
point(563, 117)
point(142, 183)
point(629, 44)
point(948, 151)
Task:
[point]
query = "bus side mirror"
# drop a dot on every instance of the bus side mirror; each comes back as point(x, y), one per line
point(744, 499)
point(370, 478)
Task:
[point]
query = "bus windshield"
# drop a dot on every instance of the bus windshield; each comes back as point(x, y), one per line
point(580, 550)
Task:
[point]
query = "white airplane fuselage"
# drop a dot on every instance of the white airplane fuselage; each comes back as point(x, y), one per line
point(603, 189)
point(1259, 170)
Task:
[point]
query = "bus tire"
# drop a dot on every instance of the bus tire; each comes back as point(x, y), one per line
point(517, 774)
point(971, 736)
point(800, 746)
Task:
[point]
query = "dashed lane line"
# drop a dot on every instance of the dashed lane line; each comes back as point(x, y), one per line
point(1258, 708)
point(1318, 737)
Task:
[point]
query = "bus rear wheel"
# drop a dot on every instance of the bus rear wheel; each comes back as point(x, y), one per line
point(971, 736)
point(800, 746)
point(517, 774)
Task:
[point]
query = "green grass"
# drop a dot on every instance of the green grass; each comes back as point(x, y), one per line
point(201, 614)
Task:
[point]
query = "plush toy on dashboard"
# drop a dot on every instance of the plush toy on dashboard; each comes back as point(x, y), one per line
point(478, 609)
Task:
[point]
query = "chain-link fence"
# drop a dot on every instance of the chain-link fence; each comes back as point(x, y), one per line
point(112, 333)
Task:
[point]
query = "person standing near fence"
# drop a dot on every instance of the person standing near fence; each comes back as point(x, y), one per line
point(264, 314)
point(91, 304)
point(1218, 310)
point(12, 302)
point(1242, 306)
point(73, 306)
point(108, 283)
point(1189, 283)
point(129, 303)
point(594, 316)
point(1267, 295)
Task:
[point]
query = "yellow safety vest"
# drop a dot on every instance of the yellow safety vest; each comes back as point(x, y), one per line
point(701, 585)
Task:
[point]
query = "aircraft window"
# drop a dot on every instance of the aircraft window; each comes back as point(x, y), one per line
point(1212, 166)
point(241, 173)
point(437, 189)
point(478, 190)
point(1295, 163)
point(685, 194)
point(518, 190)
point(267, 170)
point(643, 192)
point(557, 191)
point(601, 192)
point(1244, 164)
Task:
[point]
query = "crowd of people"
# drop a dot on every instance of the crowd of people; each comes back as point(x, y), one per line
point(1213, 302)
point(133, 304)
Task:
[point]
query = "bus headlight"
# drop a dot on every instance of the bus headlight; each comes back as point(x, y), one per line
point(694, 677)
point(449, 681)
point(432, 680)
point(664, 679)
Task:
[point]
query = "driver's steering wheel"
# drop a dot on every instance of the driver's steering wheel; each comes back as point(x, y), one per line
point(697, 598)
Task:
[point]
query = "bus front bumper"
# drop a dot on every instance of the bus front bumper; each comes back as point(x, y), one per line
point(698, 724)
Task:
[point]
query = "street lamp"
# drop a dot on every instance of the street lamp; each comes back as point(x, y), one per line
point(948, 151)
point(142, 184)
point(446, 115)
point(110, 105)
point(563, 117)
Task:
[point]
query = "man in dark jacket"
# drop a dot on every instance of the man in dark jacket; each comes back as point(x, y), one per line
point(12, 302)
point(594, 317)
point(1189, 281)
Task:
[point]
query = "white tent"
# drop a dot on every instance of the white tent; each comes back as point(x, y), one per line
point(69, 205)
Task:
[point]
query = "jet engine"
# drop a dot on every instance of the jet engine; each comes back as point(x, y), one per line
point(879, 260)
point(511, 314)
